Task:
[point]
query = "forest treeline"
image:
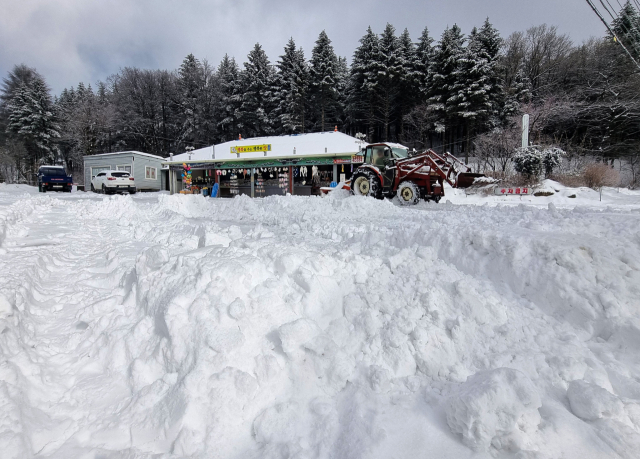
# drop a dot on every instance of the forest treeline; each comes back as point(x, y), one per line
point(463, 93)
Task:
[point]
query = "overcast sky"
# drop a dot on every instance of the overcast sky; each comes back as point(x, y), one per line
point(69, 41)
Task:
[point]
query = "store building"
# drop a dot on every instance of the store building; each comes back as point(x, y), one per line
point(144, 167)
point(265, 166)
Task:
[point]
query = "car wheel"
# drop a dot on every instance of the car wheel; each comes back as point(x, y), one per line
point(366, 183)
point(408, 193)
point(104, 189)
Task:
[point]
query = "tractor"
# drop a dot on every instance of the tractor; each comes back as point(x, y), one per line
point(390, 170)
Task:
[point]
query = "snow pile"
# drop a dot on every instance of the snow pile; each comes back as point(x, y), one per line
point(183, 326)
point(491, 405)
point(592, 402)
point(485, 180)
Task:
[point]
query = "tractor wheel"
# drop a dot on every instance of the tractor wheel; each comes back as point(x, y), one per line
point(366, 183)
point(408, 193)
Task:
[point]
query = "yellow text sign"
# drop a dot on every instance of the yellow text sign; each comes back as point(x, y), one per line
point(250, 148)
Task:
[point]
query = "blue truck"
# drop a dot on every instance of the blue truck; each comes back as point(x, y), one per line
point(54, 178)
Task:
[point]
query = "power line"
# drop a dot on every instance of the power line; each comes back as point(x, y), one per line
point(595, 10)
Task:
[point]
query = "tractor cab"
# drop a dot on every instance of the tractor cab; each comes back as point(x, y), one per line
point(380, 154)
point(383, 156)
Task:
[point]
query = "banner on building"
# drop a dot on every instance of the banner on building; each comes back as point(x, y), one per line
point(250, 148)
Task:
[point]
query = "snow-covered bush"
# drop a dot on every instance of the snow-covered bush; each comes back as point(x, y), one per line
point(534, 160)
point(551, 159)
point(528, 161)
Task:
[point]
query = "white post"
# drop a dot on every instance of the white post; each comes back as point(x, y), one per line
point(525, 131)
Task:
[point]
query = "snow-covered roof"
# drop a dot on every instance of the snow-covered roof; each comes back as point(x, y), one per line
point(126, 152)
point(312, 144)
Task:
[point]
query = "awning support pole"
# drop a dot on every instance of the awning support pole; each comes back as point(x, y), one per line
point(253, 192)
point(291, 180)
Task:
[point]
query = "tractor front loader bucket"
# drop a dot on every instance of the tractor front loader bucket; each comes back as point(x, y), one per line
point(465, 179)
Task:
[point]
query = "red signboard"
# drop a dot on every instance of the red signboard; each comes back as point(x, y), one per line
point(512, 191)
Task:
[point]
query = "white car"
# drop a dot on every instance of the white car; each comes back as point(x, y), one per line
point(113, 182)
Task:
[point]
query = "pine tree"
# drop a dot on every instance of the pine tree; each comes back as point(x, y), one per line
point(490, 44)
point(292, 87)
point(342, 84)
point(389, 74)
point(443, 78)
point(229, 98)
point(363, 83)
point(409, 80)
point(32, 119)
point(190, 83)
point(324, 80)
point(626, 27)
point(424, 57)
point(471, 99)
point(257, 97)
point(514, 97)
point(20, 75)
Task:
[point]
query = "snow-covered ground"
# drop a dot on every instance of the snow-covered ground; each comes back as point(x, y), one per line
point(336, 327)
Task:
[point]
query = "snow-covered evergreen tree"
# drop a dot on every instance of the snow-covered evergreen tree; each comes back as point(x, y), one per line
point(342, 84)
point(471, 102)
point(514, 97)
point(424, 57)
point(626, 27)
point(443, 100)
point(229, 98)
point(389, 74)
point(190, 83)
point(257, 97)
point(31, 118)
point(324, 82)
point(291, 93)
point(409, 80)
point(363, 89)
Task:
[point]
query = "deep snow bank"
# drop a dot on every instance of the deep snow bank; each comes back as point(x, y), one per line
point(336, 327)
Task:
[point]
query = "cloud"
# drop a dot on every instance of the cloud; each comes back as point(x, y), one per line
point(69, 41)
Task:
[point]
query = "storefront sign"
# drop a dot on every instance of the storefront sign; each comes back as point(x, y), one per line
point(357, 159)
point(250, 148)
point(514, 191)
point(341, 161)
